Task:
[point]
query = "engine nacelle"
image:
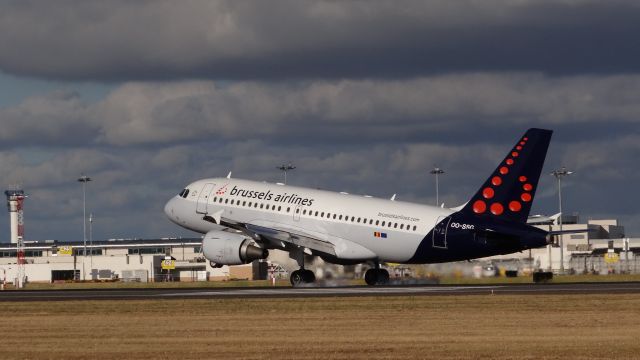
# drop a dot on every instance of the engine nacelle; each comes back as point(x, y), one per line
point(221, 247)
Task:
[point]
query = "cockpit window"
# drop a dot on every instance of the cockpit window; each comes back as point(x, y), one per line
point(184, 193)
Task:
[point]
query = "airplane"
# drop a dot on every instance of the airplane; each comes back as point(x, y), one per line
point(242, 220)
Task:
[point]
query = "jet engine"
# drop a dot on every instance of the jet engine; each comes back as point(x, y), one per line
point(225, 248)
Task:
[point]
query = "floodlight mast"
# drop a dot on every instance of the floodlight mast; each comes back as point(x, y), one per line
point(84, 180)
point(285, 168)
point(559, 174)
point(437, 171)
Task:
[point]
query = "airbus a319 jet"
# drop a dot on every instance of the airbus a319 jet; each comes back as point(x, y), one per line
point(242, 220)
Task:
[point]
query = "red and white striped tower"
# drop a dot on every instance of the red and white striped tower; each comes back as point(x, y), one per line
point(15, 201)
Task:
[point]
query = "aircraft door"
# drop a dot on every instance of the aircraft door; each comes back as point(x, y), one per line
point(203, 199)
point(296, 212)
point(440, 232)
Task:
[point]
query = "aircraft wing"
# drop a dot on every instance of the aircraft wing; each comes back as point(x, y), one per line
point(287, 237)
point(291, 237)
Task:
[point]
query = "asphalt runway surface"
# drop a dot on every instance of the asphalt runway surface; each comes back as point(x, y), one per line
point(319, 291)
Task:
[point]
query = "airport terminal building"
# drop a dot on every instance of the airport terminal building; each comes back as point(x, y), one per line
point(119, 260)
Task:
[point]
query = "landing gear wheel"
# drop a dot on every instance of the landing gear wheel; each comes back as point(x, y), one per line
point(297, 278)
point(308, 276)
point(370, 277)
point(376, 277)
point(302, 276)
point(383, 276)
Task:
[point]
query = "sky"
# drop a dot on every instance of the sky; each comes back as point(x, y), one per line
point(361, 96)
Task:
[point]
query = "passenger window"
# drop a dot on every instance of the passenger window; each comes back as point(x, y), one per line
point(249, 204)
point(414, 228)
point(255, 205)
point(401, 226)
point(244, 203)
point(232, 201)
point(377, 222)
point(370, 221)
point(358, 219)
point(322, 214)
point(340, 217)
point(288, 209)
point(353, 218)
point(297, 211)
point(316, 214)
point(226, 201)
point(214, 199)
point(304, 212)
point(261, 206)
point(279, 207)
point(383, 223)
point(334, 216)
point(395, 225)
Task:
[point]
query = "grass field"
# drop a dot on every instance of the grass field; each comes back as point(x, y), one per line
point(426, 327)
point(284, 282)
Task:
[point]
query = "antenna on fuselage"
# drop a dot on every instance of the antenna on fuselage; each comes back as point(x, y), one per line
point(393, 198)
point(229, 175)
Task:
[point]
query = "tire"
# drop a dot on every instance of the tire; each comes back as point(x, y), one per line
point(383, 277)
point(371, 277)
point(308, 276)
point(297, 278)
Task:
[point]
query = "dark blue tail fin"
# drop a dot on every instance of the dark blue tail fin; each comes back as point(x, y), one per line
point(509, 191)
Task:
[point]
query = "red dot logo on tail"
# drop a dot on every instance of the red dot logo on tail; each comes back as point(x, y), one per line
point(497, 209)
point(515, 206)
point(479, 207)
point(488, 193)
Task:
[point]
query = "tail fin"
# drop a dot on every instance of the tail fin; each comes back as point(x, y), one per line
point(509, 191)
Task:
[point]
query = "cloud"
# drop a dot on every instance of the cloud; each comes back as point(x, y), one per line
point(168, 40)
point(145, 141)
point(431, 108)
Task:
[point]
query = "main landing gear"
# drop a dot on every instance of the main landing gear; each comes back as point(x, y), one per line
point(376, 276)
point(302, 276)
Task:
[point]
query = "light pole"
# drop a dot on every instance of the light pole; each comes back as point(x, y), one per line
point(84, 180)
point(437, 171)
point(91, 242)
point(284, 168)
point(559, 174)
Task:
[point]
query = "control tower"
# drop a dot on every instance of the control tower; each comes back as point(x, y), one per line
point(15, 199)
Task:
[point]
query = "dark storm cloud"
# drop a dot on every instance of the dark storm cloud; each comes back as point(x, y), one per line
point(160, 40)
point(436, 109)
point(144, 141)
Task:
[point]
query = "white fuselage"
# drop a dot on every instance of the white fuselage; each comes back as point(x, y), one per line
point(390, 230)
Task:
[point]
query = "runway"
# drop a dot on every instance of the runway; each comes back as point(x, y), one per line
point(288, 292)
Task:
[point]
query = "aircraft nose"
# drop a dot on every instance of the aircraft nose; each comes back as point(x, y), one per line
point(168, 208)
